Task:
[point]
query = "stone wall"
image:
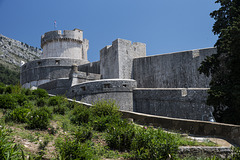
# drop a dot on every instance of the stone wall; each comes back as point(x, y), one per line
point(173, 70)
point(119, 90)
point(41, 71)
point(57, 87)
point(203, 128)
point(116, 60)
point(188, 103)
point(69, 44)
point(93, 67)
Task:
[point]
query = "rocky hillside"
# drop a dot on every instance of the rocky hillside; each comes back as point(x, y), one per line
point(12, 52)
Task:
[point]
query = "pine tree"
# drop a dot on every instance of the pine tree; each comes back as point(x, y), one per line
point(224, 66)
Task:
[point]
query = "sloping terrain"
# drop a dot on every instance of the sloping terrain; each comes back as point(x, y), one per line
point(12, 52)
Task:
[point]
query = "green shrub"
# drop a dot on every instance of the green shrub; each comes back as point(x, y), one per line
point(83, 134)
point(41, 102)
point(150, 143)
point(28, 104)
point(13, 89)
point(8, 149)
point(80, 114)
point(2, 89)
point(59, 109)
point(104, 113)
point(102, 123)
point(236, 153)
point(20, 98)
point(26, 91)
point(120, 135)
point(56, 100)
point(72, 149)
point(18, 115)
point(7, 101)
point(72, 104)
point(104, 108)
point(40, 93)
point(2, 84)
point(9, 89)
point(39, 118)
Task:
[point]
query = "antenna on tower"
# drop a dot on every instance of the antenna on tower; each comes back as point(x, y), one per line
point(55, 25)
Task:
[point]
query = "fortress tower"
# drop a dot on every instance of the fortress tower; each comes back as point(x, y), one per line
point(69, 44)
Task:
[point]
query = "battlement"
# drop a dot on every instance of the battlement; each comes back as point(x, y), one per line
point(73, 35)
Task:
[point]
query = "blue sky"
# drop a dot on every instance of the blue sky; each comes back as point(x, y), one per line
point(164, 25)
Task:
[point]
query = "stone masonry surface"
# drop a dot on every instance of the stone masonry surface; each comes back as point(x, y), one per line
point(164, 84)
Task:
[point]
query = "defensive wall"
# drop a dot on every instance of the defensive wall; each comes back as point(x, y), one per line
point(93, 67)
point(57, 87)
point(188, 103)
point(41, 71)
point(119, 90)
point(172, 70)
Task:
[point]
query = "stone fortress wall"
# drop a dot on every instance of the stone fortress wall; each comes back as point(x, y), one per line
point(164, 84)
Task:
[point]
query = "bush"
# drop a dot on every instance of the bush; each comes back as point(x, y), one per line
point(72, 149)
point(56, 100)
point(120, 135)
point(18, 115)
point(143, 142)
point(80, 114)
point(150, 143)
point(59, 109)
point(72, 104)
point(9, 149)
point(83, 134)
point(9, 89)
point(13, 89)
point(26, 91)
point(20, 98)
point(39, 118)
point(103, 122)
point(7, 101)
point(2, 89)
point(41, 102)
point(40, 93)
point(104, 108)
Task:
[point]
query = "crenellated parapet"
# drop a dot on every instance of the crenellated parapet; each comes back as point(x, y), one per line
point(66, 44)
point(67, 35)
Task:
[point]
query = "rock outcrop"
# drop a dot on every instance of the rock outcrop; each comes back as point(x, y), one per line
point(13, 52)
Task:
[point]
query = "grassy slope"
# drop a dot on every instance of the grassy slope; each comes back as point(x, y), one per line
point(41, 143)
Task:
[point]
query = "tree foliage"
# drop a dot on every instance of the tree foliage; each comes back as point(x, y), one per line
point(8, 76)
point(224, 66)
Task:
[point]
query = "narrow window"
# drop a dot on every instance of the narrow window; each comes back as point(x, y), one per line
point(83, 88)
point(57, 62)
point(107, 86)
point(39, 63)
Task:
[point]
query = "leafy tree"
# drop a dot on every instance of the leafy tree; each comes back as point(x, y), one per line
point(8, 76)
point(224, 66)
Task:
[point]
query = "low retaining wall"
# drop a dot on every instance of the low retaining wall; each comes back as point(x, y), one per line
point(227, 131)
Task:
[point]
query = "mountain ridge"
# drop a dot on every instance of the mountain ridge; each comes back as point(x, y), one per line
point(13, 52)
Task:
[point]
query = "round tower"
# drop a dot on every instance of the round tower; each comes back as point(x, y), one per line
point(69, 44)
